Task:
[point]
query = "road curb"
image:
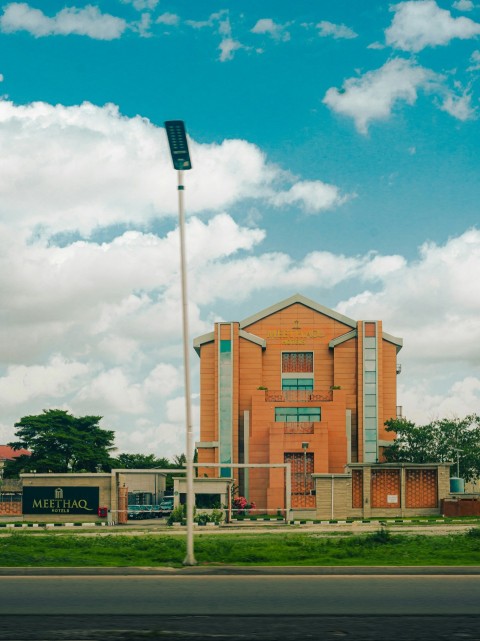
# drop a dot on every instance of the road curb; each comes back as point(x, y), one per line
point(246, 570)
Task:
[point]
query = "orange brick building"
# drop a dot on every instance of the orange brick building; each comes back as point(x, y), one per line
point(295, 383)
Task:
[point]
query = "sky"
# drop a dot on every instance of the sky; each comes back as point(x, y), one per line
point(335, 150)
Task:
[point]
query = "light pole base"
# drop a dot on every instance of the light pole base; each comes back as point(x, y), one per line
point(189, 560)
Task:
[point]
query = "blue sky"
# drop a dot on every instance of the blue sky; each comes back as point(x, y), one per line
point(335, 150)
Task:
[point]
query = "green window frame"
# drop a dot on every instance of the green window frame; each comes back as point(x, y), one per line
point(298, 414)
point(297, 384)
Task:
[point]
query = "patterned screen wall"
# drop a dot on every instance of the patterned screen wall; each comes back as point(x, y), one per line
point(297, 362)
point(385, 488)
point(302, 482)
point(357, 488)
point(421, 488)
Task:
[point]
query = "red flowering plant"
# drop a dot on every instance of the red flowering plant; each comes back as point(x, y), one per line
point(240, 506)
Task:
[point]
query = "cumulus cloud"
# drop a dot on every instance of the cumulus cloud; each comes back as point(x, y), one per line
point(422, 23)
point(463, 5)
point(273, 29)
point(57, 378)
point(142, 5)
point(459, 105)
point(337, 31)
point(227, 47)
point(220, 22)
point(91, 167)
point(433, 302)
point(170, 19)
point(374, 95)
point(312, 196)
point(89, 21)
point(440, 283)
point(475, 61)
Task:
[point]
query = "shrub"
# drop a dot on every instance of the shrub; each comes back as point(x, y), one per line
point(381, 536)
point(177, 515)
point(240, 505)
point(473, 532)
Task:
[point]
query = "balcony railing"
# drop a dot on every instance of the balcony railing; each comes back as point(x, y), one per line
point(302, 427)
point(297, 396)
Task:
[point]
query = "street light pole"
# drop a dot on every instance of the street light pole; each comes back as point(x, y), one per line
point(457, 450)
point(177, 141)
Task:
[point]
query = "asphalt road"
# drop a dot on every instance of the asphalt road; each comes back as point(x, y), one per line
point(234, 608)
point(229, 595)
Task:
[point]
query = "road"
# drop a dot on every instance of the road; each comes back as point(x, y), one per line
point(240, 607)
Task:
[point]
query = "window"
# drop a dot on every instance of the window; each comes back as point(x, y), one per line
point(297, 362)
point(298, 414)
point(297, 384)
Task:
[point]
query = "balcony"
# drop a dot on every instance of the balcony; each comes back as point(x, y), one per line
point(298, 428)
point(298, 396)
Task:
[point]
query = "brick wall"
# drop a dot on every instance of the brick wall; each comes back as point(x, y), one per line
point(10, 508)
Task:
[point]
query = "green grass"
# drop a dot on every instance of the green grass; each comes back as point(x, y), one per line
point(378, 548)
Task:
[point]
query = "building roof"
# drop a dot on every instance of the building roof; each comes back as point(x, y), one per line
point(7, 453)
point(287, 302)
point(303, 300)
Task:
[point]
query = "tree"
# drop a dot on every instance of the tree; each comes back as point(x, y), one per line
point(140, 462)
point(437, 442)
point(60, 442)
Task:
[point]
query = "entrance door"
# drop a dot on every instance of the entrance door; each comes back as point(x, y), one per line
point(302, 482)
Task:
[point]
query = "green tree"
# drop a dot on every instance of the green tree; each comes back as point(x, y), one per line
point(140, 461)
point(60, 442)
point(437, 442)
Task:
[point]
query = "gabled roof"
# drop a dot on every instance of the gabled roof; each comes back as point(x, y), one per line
point(303, 300)
point(7, 453)
point(292, 300)
point(398, 342)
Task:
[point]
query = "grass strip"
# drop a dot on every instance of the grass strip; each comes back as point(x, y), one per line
point(378, 548)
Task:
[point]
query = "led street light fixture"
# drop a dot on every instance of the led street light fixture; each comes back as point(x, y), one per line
point(177, 140)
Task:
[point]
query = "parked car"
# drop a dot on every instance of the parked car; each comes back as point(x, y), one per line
point(166, 506)
point(136, 512)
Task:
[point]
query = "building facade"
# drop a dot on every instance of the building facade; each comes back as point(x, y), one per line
point(295, 383)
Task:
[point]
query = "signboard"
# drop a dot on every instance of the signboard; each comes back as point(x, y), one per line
point(60, 500)
point(392, 498)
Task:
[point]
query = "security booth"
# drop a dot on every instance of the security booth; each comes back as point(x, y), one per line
point(210, 493)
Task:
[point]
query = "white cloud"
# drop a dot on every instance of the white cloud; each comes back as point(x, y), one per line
point(143, 25)
point(374, 95)
point(459, 106)
point(337, 31)
point(423, 405)
point(475, 61)
point(114, 170)
point(142, 5)
point(227, 48)
point(89, 21)
point(312, 196)
point(463, 5)
point(170, 19)
point(434, 304)
point(57, 378)
point(422, 23)
point(273, 29)
point(220, 22)
point(443, 290)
